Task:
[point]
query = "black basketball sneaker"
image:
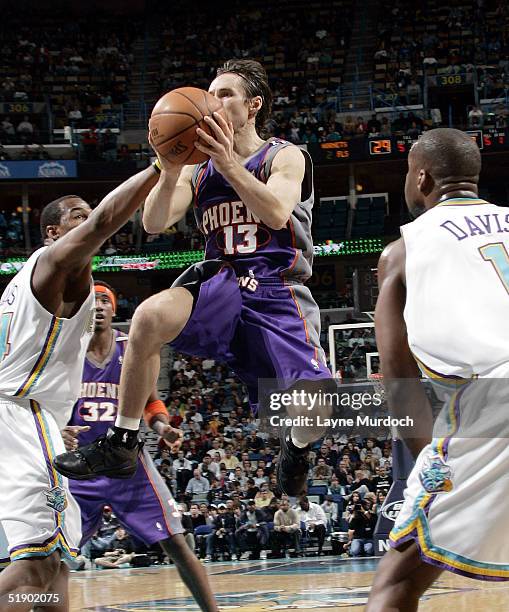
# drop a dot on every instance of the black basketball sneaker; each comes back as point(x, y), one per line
point(293, 466)
point(113, 455)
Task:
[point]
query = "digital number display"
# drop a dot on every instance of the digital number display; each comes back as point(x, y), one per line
point(336, 150)
point(380, 147)
point(477, 136)
point(488, 139)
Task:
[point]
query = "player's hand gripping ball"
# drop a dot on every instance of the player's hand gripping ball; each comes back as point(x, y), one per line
point(174, 120)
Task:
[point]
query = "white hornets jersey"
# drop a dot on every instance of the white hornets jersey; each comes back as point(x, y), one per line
point(42, 356)
point(457, 277)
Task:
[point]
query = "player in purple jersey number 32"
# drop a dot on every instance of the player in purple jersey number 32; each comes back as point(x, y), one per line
point(143, 504)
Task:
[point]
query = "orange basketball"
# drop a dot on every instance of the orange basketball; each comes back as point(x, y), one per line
point(174, 121)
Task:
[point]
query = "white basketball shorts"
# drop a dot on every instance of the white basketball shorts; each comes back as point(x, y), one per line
point(455, 506)
point(37, 512)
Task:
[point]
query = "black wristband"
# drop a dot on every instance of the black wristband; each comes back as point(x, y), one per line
point(157, 166)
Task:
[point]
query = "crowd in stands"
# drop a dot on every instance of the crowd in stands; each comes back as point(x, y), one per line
point(303, 50)
point(428, 39)
point(79, 69)
point(224, 478)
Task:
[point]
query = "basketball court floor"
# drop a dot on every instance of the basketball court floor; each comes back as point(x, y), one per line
point(324, 583)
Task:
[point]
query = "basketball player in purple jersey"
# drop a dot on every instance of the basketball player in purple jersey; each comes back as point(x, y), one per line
point(143, 504)
point(49, 308)
point(246, 304)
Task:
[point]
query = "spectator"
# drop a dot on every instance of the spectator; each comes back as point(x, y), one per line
point(224, 533)
point(198, 484)
point(75, 116)
point(360, 530)
point(230, 461)
point(264, 496)
point(475, 117)
point(370, 446)
point(197, 518)
point(25, 130)
point(382, 479)
point(188, 526)
point(286, 530)
point(8, 131)
point(4, 156)
point(252, 533)
point(386, 459)
point(109, 145)
point(322, 471)
point(330, 509)
point(413, 92)
point(120, 551)
point(183, 468)
point(314, 520)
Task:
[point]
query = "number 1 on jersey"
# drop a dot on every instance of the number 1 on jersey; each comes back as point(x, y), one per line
point(498, 256)
point(5, 327)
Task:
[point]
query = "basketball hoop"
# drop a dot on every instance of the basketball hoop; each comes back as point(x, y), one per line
point(378, 383)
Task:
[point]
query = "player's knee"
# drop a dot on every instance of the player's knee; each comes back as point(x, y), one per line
point(175, 547)
point(40, 573)
point(145, 323)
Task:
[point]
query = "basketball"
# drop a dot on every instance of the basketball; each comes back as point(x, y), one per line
point(174, 121)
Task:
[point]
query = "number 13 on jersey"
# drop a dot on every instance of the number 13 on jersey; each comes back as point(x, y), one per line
point(247, 232)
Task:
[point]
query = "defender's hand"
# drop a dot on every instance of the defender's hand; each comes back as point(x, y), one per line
point(70, 435)
point(166, 166)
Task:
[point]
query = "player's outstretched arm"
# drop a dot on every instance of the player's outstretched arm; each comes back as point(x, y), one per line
point(273, 202)
point(169, 200)
point(62, 273)
point(406, 395)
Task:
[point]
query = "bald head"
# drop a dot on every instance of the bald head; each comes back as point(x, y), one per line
point(447, 153)
point(443, 161)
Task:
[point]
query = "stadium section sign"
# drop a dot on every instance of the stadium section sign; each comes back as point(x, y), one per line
point(48, 169)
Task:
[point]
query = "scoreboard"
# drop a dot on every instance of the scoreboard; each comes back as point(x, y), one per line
point(396, 147)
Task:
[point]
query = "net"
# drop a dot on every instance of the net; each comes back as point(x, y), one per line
point(378, 383)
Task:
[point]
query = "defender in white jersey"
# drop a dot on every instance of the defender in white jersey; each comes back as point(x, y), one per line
point(442, 310)
point(46, 321)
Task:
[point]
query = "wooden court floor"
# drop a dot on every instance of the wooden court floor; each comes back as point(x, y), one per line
point(325, 583)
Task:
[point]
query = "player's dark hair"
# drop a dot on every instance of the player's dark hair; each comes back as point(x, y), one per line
point(256, 83)
point(450, 154)
point(52, 213)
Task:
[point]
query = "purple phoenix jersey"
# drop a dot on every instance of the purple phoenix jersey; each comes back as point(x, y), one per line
point(143, 504)
point(251, 307)
point(236, 235)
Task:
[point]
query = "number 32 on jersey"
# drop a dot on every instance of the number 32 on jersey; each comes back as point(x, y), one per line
point(98, 411)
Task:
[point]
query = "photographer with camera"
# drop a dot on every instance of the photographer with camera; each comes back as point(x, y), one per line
point(361, 528)
point(121, 550)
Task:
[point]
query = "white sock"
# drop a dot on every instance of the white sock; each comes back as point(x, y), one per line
point(127, 423)
point(297, 443)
